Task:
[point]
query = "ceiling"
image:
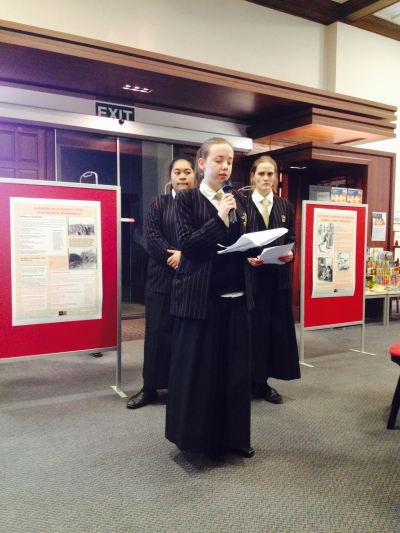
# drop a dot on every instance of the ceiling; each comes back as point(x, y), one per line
point(277, 114)
point(378, 16)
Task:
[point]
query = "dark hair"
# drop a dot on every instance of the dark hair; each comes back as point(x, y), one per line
point(203, 152)
point(180, 158)
point(266, 159)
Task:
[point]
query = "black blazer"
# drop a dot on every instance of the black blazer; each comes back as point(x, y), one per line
point(281, 216)
point(198, 233)
point(161, 236)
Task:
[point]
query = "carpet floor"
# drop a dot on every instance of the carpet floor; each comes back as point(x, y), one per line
point(75, 460)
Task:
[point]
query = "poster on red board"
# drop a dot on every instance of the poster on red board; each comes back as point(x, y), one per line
point(334, 246)
point(56, 260)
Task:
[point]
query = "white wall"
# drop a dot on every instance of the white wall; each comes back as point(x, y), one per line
point(232, 34)
point(237, 35)
point(368, 66)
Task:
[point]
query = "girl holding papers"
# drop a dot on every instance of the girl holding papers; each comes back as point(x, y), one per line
point(208, 406)
point(274, 344)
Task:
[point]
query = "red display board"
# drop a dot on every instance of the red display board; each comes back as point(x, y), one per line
point(91, 335)
point(337, 310)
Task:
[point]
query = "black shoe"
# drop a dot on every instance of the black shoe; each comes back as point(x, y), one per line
point(271, 395)
point(96, 354)
point(248, 453)
point(142, 398)
point(256, 392)
point(216, 455)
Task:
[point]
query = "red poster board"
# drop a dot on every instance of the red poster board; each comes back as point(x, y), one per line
point(91, 335)
point(337, 310)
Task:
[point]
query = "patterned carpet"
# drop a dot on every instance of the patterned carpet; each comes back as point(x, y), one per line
point(132, 330)
point(75, 460)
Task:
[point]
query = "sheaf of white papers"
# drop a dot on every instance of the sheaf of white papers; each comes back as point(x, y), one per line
point(254, 240)
point(270, 255)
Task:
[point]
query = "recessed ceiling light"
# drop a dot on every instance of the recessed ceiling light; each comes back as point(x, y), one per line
point(137, 88)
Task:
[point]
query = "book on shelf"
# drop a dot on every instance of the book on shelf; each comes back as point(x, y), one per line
point(354, 196)
point(338, 195)
point(320, 193)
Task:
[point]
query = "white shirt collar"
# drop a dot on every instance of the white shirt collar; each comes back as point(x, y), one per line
point(207, 191)
point(173, 193)
point(258, 198)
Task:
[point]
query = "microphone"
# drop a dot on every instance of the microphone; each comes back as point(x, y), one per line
point(227, 188)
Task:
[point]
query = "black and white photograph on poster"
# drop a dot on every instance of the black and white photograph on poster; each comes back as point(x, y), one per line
point(80, 226)
point(82, 258)
point(325, 273)
point(343, 261)
point(326, 235)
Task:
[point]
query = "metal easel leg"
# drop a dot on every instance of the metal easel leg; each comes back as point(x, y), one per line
point(362, 342)
point(117, 386)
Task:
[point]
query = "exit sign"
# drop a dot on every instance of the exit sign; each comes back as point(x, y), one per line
point(115, 111)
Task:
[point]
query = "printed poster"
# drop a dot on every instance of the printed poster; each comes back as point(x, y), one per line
point(334, 248)
point(378, 227)
point(56, 260)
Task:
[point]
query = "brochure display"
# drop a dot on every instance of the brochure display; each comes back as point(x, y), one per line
point(59, 267)
point(332, 267)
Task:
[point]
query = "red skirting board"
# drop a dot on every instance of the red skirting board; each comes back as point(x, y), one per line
point(337, 310)
point(80, 335)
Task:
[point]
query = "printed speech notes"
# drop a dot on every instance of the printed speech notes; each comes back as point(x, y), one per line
point(254, 240)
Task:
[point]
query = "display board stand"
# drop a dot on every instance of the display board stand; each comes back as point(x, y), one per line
point(74, 336)
point(331, 311)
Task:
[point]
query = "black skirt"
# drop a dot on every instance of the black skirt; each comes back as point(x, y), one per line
point(209, 388)
point(274, 344)
point(158, 340)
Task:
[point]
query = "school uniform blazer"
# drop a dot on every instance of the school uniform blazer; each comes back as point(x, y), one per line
point(281, 216)
point(198, 232)
point(161, 236)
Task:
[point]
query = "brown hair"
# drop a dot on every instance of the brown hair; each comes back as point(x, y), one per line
point(265, 159)
point(203, 152)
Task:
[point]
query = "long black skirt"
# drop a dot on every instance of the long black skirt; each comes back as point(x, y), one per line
point(157, 340)
point(274, 344)
point(209, 387)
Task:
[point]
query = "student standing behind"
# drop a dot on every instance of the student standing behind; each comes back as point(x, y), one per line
point(274, 343)
point(164, 260)
point(208, 405)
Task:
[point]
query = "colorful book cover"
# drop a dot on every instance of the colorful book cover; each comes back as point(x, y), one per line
point(338, 195)
point(354, 196)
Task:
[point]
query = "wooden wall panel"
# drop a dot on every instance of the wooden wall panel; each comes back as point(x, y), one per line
point(24, 152)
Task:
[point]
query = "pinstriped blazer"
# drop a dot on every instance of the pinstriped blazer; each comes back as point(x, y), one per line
point(281, 216)
point(161, 236)
point(198, 234)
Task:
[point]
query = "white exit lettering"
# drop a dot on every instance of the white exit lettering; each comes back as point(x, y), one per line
point(115, 112)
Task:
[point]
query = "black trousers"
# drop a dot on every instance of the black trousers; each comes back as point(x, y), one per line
point(274, 344)
point(157, 340)
point(209, 388)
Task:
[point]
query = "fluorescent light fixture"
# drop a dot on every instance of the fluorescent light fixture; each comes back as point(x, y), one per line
point(300, 168)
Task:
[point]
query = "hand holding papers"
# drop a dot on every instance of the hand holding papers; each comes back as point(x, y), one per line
point(270, 255)
point(254, 240)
